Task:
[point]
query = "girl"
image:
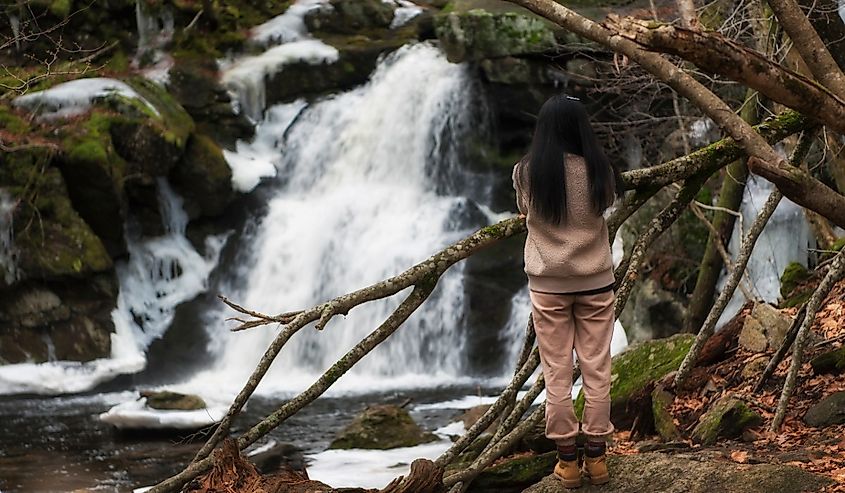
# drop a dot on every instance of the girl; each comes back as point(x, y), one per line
point(563, 187)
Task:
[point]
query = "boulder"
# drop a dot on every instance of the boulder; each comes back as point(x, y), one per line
point(472, 30)
point(172, 401)
point(682, 473)
point(664, 422)
point(473, 414)
point(764, 328)
point(829, 362)
point(514, 474)
point(634, 370)
point(653, 312)
point(203, 178)
point(728, 417)
point(382, 427)
point(345, 17)
point(828, 411)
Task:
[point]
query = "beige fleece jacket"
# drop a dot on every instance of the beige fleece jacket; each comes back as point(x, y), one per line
point(574, 255)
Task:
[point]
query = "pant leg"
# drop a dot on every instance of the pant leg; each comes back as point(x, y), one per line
point(593, 317)
point(553, 324)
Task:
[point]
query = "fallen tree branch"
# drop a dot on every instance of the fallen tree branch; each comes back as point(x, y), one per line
point(718, 54)
point(783, 349)
point(419, 294)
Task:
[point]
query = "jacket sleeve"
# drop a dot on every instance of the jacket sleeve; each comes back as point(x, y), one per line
point(521, 204)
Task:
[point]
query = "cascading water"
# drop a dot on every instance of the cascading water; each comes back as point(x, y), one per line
point(155, 30)
point(160, 274)
point(785, 239)
point(356, 203)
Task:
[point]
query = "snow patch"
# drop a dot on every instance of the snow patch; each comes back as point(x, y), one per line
point(76, 97)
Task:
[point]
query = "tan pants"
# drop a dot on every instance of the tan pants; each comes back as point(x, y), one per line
point(583, 322)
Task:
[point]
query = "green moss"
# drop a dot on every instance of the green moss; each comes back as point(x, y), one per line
point(794, 275)
point(382, 427)
point(60, 8)
point(515, 473)
point(118, 62)
point(829, 362)
point(727, 417)
point(176, 123)
point(51, 238)
point(10, 122)
point(639, 365)
point(664, 423)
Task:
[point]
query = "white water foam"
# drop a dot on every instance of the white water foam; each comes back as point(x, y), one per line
point(356, 205)
point(287, 27)
point(404, 13)
point(246, 76)
point(252, 161)
point(75, 97)
point(358, 468)
point(161, 273)
point(786, 238)
point(8, 264)
point(135, 414)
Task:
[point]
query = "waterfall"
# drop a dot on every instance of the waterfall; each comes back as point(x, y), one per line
point(8, 268)
point(785, 239)
point(155, 31)
point(160, 274)
point(356, 202)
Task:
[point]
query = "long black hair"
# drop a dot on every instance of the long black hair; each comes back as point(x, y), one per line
point(563, 126)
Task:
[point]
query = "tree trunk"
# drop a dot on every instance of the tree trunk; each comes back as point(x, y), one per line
point(730, 198)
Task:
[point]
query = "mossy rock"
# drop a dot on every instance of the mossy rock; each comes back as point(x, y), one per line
point(664, 423)
point(381, 427)
point(791, 285)
point(655, 471)
point(514, 474)
point(11, 122)
point(633, 370)
point(727, 418)
point(829, 362)
point(51, 239)
point(203, 178)
point(172, 401)
point(469, 454)
point(478, 33)
point(827, 412)
point(345, 17)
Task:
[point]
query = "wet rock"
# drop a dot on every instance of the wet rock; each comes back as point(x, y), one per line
point(345, 17)
point(828, 411)
point(764, 328)
point(492, 277)
point(474, 30)
point(195, 86)
point(174, 401)
point(653, 312)
point(727, 418)
point(514, 474)
point(664, 423)
point(676, 474)
point(514, 71)
point(278, 456)
point(382, 427)
point(829, 362)
point(634, 370)
point(65, 320)
point(473, 414)
point(203, 178)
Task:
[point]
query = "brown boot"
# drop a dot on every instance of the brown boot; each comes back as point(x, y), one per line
point(568, 473)
point(595, 468)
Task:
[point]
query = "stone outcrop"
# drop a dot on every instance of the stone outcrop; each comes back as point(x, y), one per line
point(381, 427)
